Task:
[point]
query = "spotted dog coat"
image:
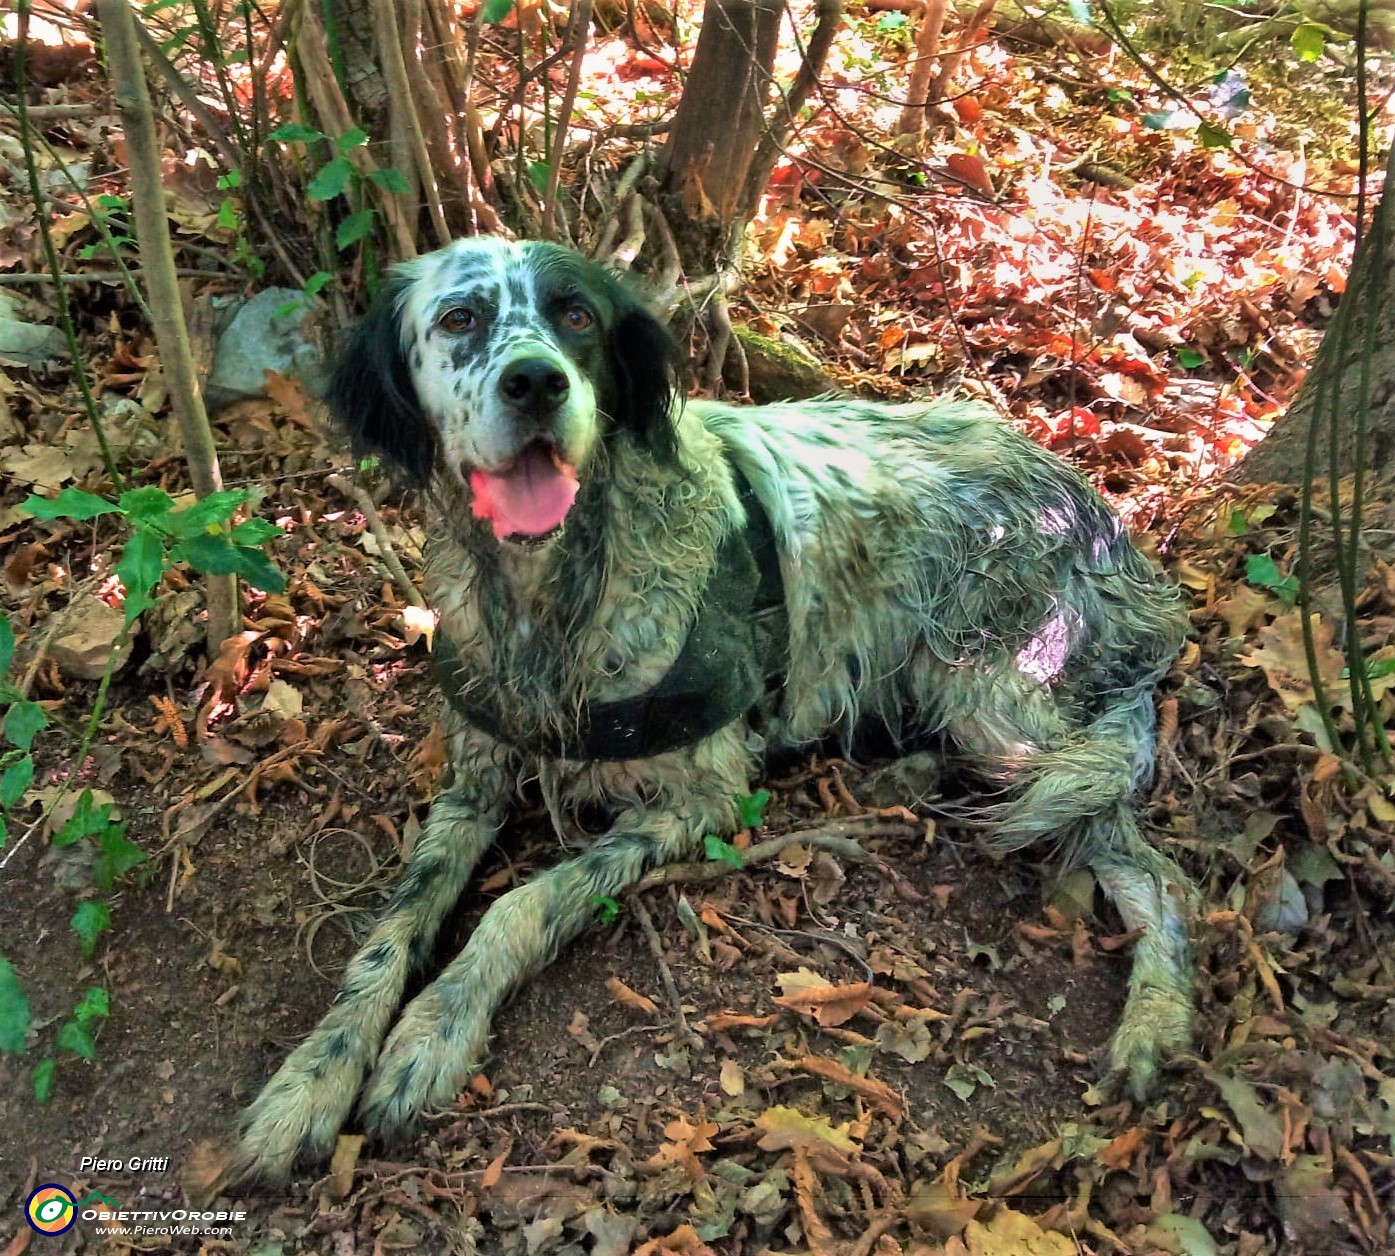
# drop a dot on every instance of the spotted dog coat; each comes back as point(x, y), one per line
point(940, 572)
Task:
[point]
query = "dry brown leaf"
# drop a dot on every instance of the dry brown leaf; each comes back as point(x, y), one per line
point(685, 1140)
point(805, 992)
point(878, 1094)
point(631, 999)
point(1012, 1233)
point(1278, 651)
point(1119, 1152)
point(782, 1128)
point(939, 1209)
point(681, 1242)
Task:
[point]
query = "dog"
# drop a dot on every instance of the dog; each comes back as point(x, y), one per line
point(639, 598)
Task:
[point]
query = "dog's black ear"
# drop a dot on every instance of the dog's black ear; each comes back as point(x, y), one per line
point(645, 365)
point(372, 395)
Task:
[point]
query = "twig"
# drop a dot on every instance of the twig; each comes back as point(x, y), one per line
point(839, 838)
point(386, 550)
point(580, 30)
point(623, 189)
point(171, 333)
point(656, 949)
point(949, 62)
point(16, 279)
point(400, 100)
point(43, 113)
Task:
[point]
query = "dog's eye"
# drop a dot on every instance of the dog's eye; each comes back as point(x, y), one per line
point(577, 318)
point(457, 318)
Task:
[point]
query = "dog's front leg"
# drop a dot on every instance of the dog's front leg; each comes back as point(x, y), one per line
point(301, 1109)
point(441, 1038)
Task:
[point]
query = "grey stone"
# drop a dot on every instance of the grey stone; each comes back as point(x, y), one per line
point(30, 344)
point(264, 335)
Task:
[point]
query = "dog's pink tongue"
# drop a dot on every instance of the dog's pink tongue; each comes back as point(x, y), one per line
point(530, 499)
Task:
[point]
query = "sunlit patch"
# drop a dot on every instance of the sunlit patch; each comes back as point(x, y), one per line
point(1044, 657)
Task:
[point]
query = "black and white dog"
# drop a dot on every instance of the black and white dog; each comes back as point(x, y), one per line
point(638, 598)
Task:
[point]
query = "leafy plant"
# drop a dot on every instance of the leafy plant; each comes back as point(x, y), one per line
point(719, 851)
point(607, 908)
point(339, 177)
point(1263, 572)
point(751, 808)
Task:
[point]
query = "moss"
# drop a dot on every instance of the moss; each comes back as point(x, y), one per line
point(780, 371)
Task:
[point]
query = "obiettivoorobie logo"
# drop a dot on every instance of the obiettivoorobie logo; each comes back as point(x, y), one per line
point(51, 1208)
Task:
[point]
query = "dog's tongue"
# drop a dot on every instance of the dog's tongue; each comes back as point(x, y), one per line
point(530, 499)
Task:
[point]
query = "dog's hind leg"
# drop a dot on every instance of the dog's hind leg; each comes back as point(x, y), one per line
point(301, 1109)
point(1074, 789)
point(441, 1038)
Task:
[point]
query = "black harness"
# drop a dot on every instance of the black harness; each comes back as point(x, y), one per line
point(734, 658)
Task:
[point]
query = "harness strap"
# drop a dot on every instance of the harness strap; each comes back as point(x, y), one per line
point(735, 655)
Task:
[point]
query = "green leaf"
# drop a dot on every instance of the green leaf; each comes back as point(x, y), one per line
point(15, 780)
point(7, 644)
point(1213, 136)
point(227, 214)
point(86, 820)
point(77, 1039)
point(1157, 121)
point(259, 571)
point(295, 133)
point(1263, 572)
point(112, 204)
point(71, 503)
point(94, 1005)
point(230, 182)
point(724, 852)
point(118, 856)
point(209, 513)
point(537, 175)
point(354, 228)
point(42, 1079)
point(317, 281)
point(606, 908)
point(391, 180)
point(497, 10)
point(1190, 358)
point(142, 563)
point(213, 555)
point(1309, 41)
point(1238, 524)
point(14, 1010)
point(331, 180)
point(23, 722)
point(255, 532)
point(90, 921)
point(351, 139)
point(143, 505)
point(752, 807)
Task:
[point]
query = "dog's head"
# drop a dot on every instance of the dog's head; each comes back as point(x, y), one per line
point(500, 368)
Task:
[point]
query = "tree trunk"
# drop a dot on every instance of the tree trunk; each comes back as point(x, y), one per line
point(1339, 365)
point(718, 128)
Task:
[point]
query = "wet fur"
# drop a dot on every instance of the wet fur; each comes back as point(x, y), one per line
point(941, 573)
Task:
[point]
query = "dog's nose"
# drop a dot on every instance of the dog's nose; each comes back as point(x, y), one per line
point(533, 384)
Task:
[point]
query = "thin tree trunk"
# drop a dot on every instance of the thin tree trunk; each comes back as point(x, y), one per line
point(157, 260)
point(927, 44)
point(1280, 455)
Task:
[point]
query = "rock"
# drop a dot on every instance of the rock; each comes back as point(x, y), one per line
point(30, 344)
point(268, 333)
point(86, 637)
point(781, 370)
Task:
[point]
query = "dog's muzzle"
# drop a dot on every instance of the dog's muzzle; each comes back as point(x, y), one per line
point(534, 387)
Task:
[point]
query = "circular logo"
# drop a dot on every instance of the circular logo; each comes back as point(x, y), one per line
point(50, 1209)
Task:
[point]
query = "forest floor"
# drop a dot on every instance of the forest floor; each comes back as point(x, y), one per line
point(893, 1052)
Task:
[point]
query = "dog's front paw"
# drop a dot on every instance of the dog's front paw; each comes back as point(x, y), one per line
point(1157, 1023)
point(297, 1116)
point(428, 1058)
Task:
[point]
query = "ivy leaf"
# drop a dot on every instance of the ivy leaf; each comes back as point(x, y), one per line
point(497, 10)
point(391, 180)
point(317, 281)
point(145, 505)
point(142, 563)
point(351, 139)
point(354, 228)
point(1309, 41)
point(295, 133)
point(332, 179)
point(752, 807)
point(84, 822)
point(95, 1005)
point(77, 1039)
point(14, 1010)
point(42, 1079)
point(209, 512)
point(724, 852)
point(1190, 358)
point(254, 532)
point(1213, 136)
point(259, 571)
point(606, 908)
point(15, 781)
point(71, 503)
point(23, 722)
point(118, 856)
point(1263, 572)
point(213, 555)
point(90, 921)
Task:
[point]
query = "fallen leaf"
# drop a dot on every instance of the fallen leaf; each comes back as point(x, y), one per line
point(782, 1128)
point(805, 992)
point(1012, 1233)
